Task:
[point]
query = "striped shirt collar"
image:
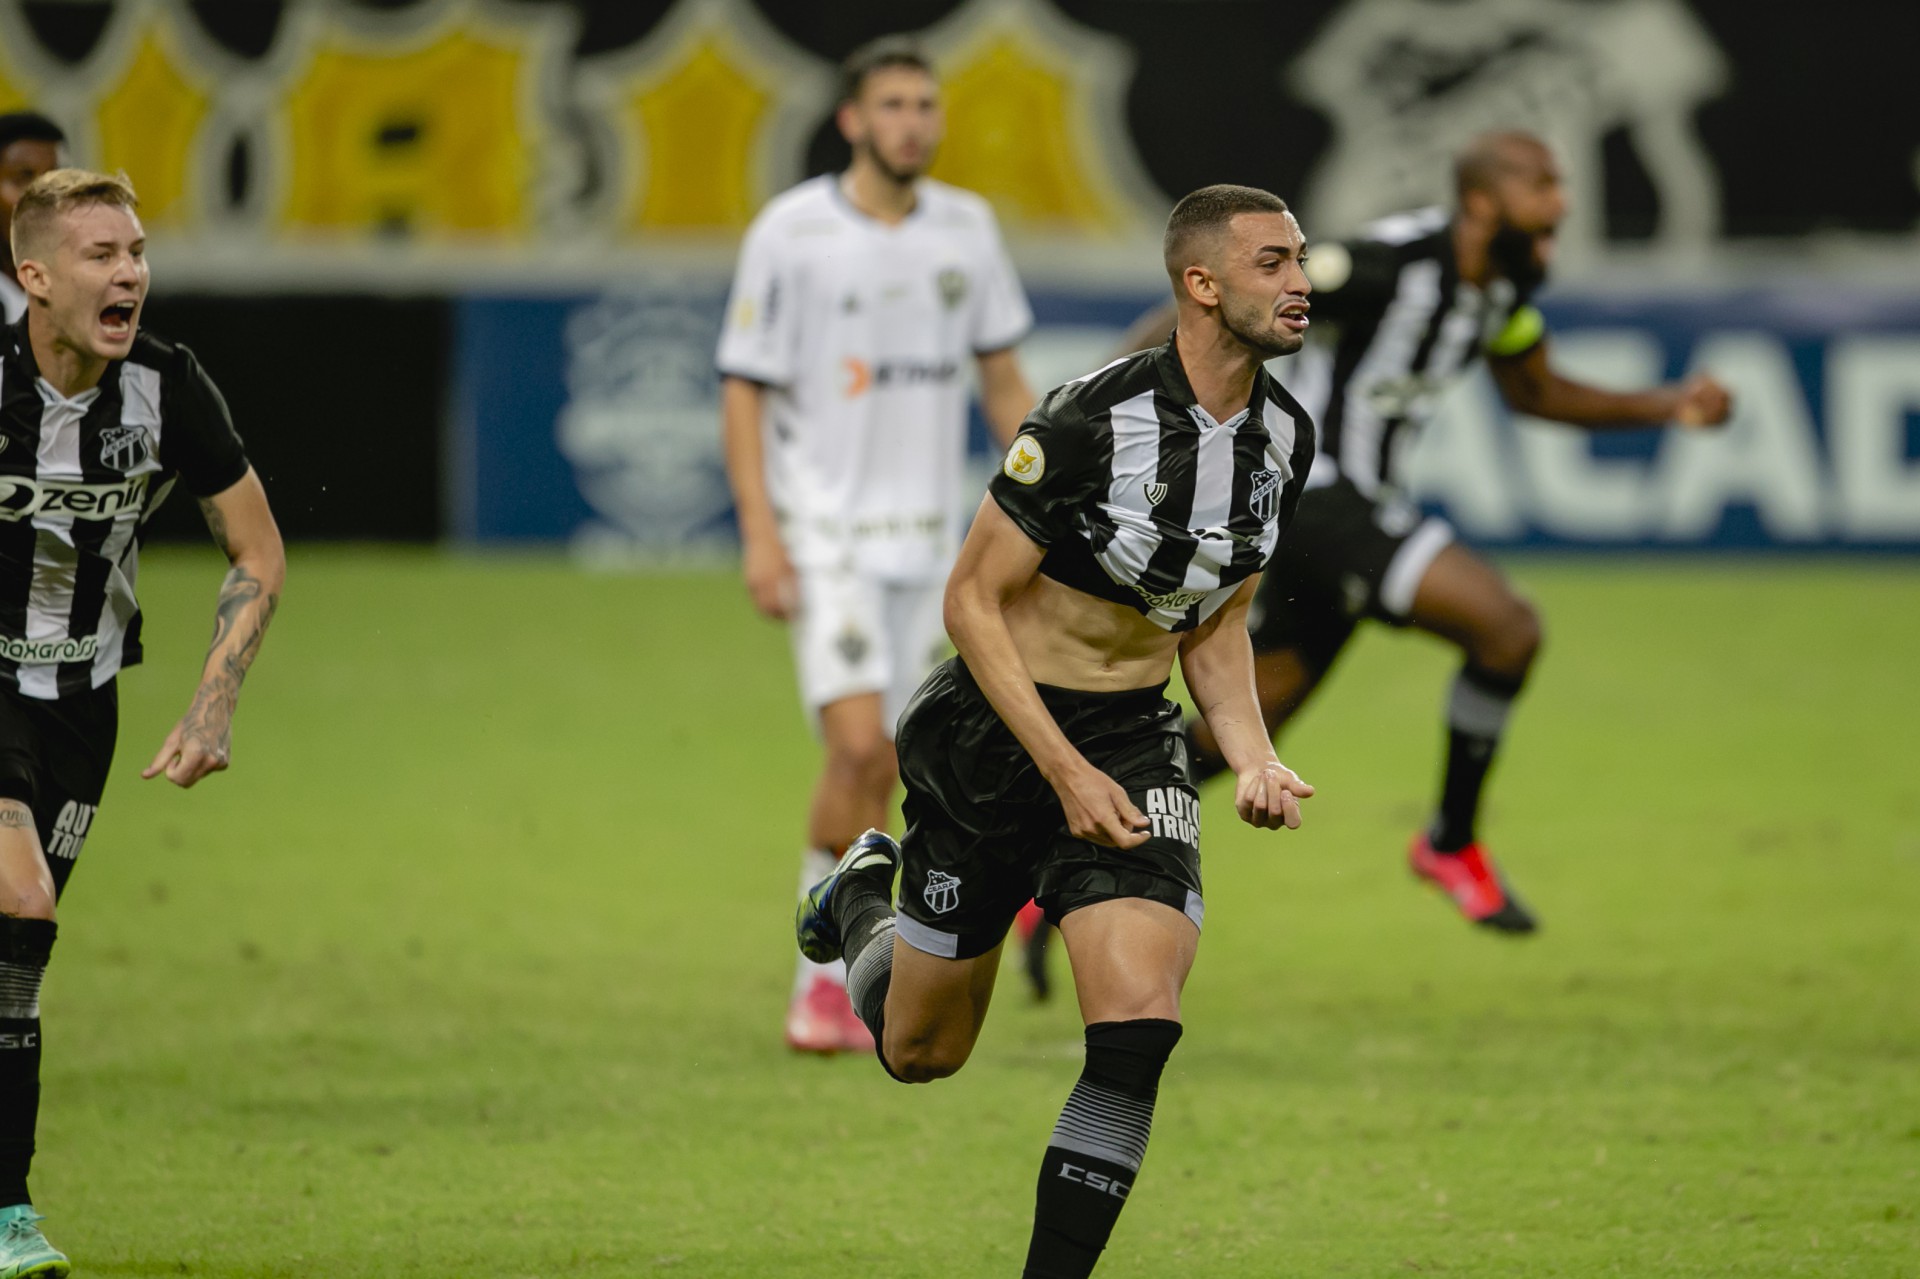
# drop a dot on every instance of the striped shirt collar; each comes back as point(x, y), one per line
point(1173, 380)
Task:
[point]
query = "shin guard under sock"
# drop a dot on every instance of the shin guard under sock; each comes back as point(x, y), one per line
point(1097, 1146)
point(1477, 712)
point(865, 920)
point(25, 947)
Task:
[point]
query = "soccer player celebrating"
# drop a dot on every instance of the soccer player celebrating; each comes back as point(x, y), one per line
point(860, 300)
point(97, 421)
point(1129, 523)
point(29, 146)
point(1412, 303)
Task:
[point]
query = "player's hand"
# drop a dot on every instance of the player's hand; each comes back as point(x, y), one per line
point(771, 580)
point(1098, 809)
point(1268, 797)
point(193, 749)
point(1702, 402)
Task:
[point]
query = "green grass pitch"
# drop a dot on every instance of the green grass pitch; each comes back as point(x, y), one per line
point(475, 963)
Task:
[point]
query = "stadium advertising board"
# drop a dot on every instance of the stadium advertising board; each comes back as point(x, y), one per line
point(593, 419)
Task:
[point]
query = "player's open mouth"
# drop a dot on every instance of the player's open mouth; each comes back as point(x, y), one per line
point(117, 319)
point(1294, 316)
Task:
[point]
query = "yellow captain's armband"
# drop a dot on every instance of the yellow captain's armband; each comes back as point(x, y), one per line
point(1525, 327)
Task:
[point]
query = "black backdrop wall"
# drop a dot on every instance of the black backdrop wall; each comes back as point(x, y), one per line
point(343, 420)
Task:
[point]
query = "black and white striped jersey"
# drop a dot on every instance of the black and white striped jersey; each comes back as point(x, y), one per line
point(1404, 324)
point(1142, 498)
point(78, 479)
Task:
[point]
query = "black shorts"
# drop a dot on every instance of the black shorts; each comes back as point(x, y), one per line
point(985, 831)
point(54, 757)
point(1346, 556)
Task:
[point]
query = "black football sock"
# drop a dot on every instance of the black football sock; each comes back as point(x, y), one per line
point(1476, 714)
point(25, 947)
point(1097, 1146)
point(1202, 764)
point(870, 966)
point(864, 915)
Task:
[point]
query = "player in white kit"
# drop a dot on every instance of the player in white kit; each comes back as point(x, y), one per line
point(860, 302)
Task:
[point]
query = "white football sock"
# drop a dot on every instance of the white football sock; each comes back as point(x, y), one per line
point(815, 865)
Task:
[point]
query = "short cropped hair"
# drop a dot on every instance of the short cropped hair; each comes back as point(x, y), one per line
point(879, 55)
point(1207, 212)
point(61, 191)
point(1491, 156)
point(28, 126)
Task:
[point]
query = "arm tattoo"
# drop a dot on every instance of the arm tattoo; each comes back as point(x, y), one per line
point(216, 525)
point(15, 814)
point(240, 623)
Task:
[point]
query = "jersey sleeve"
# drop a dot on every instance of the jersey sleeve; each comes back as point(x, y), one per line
point(1350, 278)
point(760, 335)
point(1001, 317)
point(1052, 468)
point(197, 438)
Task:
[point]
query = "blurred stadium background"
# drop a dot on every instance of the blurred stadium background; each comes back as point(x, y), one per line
point(475, 963)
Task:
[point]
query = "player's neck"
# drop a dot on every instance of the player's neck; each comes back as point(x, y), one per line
point(65, 368)
point(1220, 368)
point(877, 194)
point(1472, 254)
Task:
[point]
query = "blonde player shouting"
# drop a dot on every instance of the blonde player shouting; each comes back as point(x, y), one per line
point(860, 300)
point(99, 420)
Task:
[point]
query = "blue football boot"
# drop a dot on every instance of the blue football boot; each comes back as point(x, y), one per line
point(874, 857)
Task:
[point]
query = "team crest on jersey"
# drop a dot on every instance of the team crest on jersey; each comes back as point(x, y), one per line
point(943, 891)
point(1026, 461)
point(1264, 497)
point(123, 447)
point(952, 283)
point(1156, 493)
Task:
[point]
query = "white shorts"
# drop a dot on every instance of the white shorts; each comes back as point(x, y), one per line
point(855, 635)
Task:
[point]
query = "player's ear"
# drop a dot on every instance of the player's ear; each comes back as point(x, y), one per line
point(33, 277)
point(1200, 285)
point(847, 117)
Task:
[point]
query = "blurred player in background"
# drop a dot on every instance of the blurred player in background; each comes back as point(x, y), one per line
point(1128, 525)
point(97, 421)
point(30, 145)
point(1410, 305)
point(860, 301)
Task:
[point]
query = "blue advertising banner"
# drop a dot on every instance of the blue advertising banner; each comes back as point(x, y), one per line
point(593, 419)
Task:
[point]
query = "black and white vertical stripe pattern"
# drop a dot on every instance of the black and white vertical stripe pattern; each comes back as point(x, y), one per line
point(1181, 528)
point(1141, 497)
point(1388, 368)
point(77, 478)
point(1103, 1124)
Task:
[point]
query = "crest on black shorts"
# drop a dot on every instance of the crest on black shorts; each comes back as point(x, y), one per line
point(123, 447)
point(943, 891)
point(1264, 497)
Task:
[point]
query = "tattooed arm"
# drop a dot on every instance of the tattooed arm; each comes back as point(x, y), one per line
point(243, 527)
